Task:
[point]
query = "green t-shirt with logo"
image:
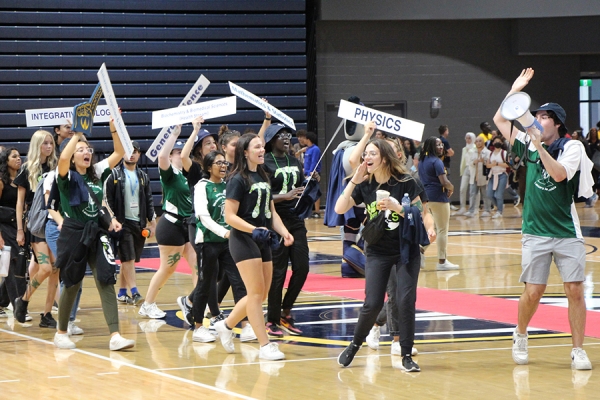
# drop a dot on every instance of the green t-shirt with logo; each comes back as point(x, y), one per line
point(177, 198)
point(87, 210)
point(549, 207)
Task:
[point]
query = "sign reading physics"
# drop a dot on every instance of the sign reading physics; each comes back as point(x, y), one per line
point(111, 101)
point(59, 116)
point(386, 122)
point(260, 103)
point(190, 98)
point(181, 115)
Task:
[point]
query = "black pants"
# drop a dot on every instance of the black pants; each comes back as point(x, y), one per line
point(297, 253)
point(215, 257)
point(13, 285)
point(377, 274)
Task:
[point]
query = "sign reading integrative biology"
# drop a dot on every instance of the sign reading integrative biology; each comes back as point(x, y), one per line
point(260, 103)
point(386, 122)
point(61, 116)
point(190, 98)
point(111, 101)
point(181, 115)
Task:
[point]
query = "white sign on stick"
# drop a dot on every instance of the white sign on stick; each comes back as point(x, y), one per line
point(190, 98)
point(111, 101)
point(260, 103)
point(59, 116)
point(181, 115)
point(386, 122)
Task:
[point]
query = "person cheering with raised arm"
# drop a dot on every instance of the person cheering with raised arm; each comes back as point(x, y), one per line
point(556, 168)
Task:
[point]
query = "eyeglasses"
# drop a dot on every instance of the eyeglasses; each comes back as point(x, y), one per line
point(284, 136)
point(85, 150)
point(221, 163)
point(369, 153)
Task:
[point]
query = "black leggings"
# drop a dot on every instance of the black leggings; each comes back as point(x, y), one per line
point(377, 274)
point(297, 253)
point(215, 256)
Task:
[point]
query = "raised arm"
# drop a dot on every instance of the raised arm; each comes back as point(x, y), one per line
point(265, 125)
point(189, 145)
point(118, 149)
point(357, 151)
point(64, 162)
point(504, 124)
point(345, 201)
point(165, 152)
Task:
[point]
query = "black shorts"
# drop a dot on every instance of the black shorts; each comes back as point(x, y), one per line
point(171, 233)
point(242, 248)
point(131, 243)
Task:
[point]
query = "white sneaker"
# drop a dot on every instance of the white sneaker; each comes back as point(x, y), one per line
point(74, 329)
point(520, 353)
point(62, 341)
point(579, 359)
point(247, 334)
point(469, 214)
point(485, 214)
point(226, 336)
point(202, 335)
point(373, 337)
point(462, 211)
point(151, 310)
point(271, 352)
point(446, 266)
point(397, 350)
point(453, 207)
point(497, 215)
point(118, 342)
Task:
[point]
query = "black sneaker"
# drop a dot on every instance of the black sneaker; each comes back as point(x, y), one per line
point(345, 358)
point(47, 321)
point(409, 365)
point(136, 299)
point(186, 310)
point(20, 311)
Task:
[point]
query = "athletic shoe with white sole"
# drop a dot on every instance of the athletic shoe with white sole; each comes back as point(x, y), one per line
point(186, 310)
point(373, 338)
point(226, 335)
point(271, 352)
point(520, 353)
point(213, 321)
point(202, 335)
point(446, 266)
point(409, 365)
point(118, 342)
point(345, 358)
point(397, 350)
point(247, 334)
point(74, 329)
point(151, 310)
point(579, 359)
point(62, 341)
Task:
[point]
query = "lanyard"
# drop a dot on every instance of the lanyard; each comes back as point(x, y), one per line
point(132, 186)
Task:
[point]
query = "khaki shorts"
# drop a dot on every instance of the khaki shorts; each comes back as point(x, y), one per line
point(538, 251)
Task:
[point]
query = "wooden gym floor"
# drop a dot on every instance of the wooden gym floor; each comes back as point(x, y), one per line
point(464, 324)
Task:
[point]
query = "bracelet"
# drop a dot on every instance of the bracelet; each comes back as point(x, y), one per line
point(19, 229)
point(355, 184)
point(267, 119)
point(113, 131)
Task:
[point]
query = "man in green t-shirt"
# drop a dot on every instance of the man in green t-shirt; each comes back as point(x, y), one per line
point(558, 170)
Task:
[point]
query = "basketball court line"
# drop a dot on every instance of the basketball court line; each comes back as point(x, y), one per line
point(138, 367)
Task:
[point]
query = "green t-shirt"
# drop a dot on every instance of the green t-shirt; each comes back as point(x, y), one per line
point(549, 207)
point(176, 192)
point(87, 210)
point(209, 203)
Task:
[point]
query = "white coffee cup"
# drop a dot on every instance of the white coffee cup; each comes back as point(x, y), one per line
point(382, 194)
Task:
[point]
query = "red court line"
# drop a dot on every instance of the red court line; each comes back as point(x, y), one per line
point(547, 317)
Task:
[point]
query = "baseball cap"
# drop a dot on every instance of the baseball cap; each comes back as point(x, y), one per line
point(273, 130)
point(554, 107)
point(201, 135)
point(178, 145)
point(136, 146)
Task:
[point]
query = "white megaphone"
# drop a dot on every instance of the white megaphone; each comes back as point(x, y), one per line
point(516, 107)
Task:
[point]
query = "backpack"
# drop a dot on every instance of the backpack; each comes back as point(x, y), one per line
point(38, 214)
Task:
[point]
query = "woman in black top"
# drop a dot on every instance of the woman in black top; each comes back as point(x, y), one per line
point(286, 185)
point(10, 162)
point(41, 159)
point(249, 210)
point(383, 170)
